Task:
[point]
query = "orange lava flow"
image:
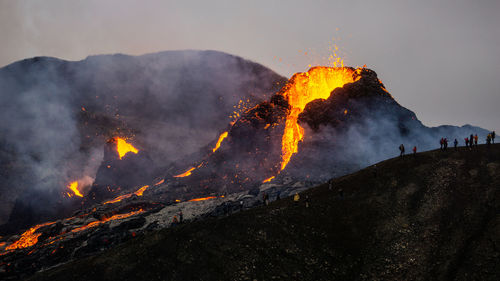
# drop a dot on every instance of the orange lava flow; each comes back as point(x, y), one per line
point(303, 88)
point(123, 147)
point(160, 182)
point(74, 187)
point(139, 192)
point(202, 199)
point(28, 238)
point(114, 217)
point(186, 173)
point(268, 179)
point(221, 138)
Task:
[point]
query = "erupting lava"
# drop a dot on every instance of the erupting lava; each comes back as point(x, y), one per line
point(28, 238)
point(303, 88)
point(202, 199)
point(221, 138)
point(74, 187)
point(123, 147)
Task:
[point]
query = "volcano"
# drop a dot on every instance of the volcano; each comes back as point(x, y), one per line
point(201, 132)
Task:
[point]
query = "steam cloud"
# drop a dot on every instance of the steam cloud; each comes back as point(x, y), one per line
point(171, 104)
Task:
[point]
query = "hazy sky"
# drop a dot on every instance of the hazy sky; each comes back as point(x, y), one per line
point(440, 59)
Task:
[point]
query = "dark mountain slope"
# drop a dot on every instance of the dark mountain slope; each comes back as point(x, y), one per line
point(56, 116)
point(432, 217)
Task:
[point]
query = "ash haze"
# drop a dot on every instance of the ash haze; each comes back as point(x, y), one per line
point(438, 58)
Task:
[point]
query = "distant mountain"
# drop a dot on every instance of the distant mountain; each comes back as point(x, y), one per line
point(56, 116)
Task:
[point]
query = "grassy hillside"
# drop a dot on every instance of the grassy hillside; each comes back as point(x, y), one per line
point(433, 216)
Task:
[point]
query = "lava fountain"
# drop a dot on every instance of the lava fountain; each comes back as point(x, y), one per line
point(122, 147)
point(303, 88)
point(74, 187)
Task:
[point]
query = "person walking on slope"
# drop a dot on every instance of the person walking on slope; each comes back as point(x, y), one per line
point(475, 139)
point(414, 151)
point(402, 150)
point(455, 143)
point(493, 136)
point(488, 139)
point(296, 199)
point(471, 140)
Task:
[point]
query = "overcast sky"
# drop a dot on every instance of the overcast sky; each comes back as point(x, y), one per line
point(440, 59)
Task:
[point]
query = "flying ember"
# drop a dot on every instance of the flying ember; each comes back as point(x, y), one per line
point(123, 147)
point(74, 187)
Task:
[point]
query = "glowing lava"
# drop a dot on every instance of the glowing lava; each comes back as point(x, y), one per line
point(202, 199)
point(123, 147)
point(186, 173)
point(114, 217)
point(268, 179)
point(221, 138)
point(139, 192)
point(28, 238)
point(303, 88)
point(74, 187)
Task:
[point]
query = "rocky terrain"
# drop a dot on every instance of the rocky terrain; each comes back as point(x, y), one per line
point(433, 216)
point(56, 117)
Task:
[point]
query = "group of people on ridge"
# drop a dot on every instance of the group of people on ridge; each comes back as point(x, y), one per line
point(402, 150)
point(470, 141)
point(490, 138)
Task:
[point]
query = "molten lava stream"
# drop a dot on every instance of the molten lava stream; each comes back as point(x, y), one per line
point(114, 217)
point(122, 147)
point(203, 199)
point(28, 238)
point(74, 187)
point(303, 88)
point(139, 192)
point(219, 141)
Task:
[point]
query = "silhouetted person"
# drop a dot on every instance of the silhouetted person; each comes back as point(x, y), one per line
point(414, 151)
point(445, 143)
point(402, 150)
point(296, 199)
point(265, 197)
point(175, 221)
point(181, 217)
point(467, 142)
point(441, 143)
point(493, 136)
point(455, 143)
point(471, 140)
point(475, 139)
point(488, 139)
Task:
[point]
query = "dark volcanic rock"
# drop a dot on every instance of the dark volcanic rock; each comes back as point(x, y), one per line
point(56, 115)
point(429, 217)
